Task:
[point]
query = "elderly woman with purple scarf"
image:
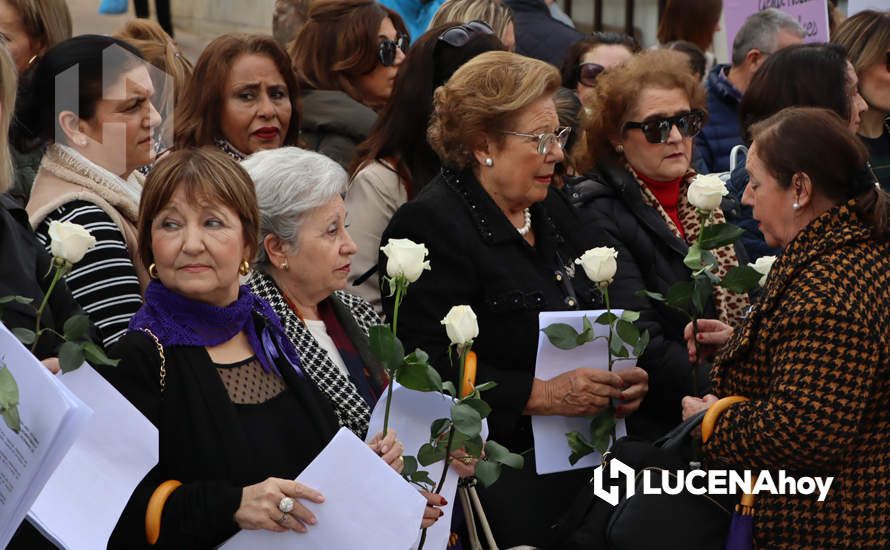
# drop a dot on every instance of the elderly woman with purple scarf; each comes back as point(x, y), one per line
point(209, 364)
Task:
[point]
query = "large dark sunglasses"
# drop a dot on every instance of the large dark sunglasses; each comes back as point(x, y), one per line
point(458, 36)
point(657, 130)
point(587, 73)
point(386, 52)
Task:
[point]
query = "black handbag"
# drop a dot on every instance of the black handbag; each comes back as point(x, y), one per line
point(681, 521)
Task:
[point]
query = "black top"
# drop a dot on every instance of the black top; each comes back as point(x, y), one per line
point(879, 157)
point(262, 402)
point(23, 268)
point(204, 441)
point(478, 258)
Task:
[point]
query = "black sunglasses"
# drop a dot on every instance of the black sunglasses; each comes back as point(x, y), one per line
point(657, 130)
point(458, 36)
point(386, 52)
point(587, 73)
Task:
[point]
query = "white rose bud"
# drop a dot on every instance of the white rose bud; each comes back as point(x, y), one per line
point(706, 192)
point(599, 264)
point(405, 258)
point(461, 326)
point(763, 265)
point(69, 241)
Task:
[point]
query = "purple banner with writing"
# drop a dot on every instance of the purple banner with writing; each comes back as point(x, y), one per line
point(812, 15)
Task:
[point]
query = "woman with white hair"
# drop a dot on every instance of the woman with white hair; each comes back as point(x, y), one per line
point(302, 264)
point(303, 261)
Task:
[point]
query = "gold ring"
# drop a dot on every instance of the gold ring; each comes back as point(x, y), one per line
point(467, 460)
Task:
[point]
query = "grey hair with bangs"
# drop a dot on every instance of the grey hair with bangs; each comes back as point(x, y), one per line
point(291, 183)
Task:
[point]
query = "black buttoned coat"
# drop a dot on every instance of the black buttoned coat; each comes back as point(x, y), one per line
point(478, 258)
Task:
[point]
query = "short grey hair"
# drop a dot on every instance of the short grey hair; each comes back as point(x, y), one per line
point(761, 32)
point(290, 183)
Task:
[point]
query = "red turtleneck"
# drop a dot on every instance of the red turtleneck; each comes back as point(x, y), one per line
point(668, 194)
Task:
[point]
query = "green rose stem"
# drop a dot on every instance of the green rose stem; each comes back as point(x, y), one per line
point(604, 287)
point(401, 285)
point(703, 217)
point(463, 357)
point(60, 266)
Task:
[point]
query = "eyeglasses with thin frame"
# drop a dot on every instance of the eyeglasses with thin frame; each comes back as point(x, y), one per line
point(658, 130)
point(386, 52)
point(588, 73)
point(459, 35)
point(546, 140)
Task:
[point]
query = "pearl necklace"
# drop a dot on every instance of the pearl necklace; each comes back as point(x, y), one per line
point(528, 223)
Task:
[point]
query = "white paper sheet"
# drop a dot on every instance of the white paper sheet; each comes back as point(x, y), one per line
point(411, 414)
point(95, 480)
point(367, 504)
point(551, 447)
point(51, 419)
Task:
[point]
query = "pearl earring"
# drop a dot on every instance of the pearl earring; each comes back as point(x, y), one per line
point(619, 148)
point(795, 206)
point(81, 141)
point(489, 162)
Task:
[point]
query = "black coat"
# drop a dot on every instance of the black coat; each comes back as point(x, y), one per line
point(478, 258)
point(201, 442)
point(24, 264)
point(609, 197)
point(538, 34)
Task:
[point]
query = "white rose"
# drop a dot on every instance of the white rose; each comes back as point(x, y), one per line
point(763, 266)
point(599, 264)
point(405, 258)
point(706, 192)
point(460, 324)
point(69, 241)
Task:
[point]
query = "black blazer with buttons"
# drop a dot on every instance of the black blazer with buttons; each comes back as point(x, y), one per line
point(478, 258)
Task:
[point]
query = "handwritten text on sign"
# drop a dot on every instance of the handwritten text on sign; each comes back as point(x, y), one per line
point(812, 15)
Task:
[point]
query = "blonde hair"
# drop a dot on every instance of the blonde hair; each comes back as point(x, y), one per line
point(617, 92)
point(8, 88)
point(288, 18)
point(866, 37)
point(494, 12)
point(159, 49)
point(47, 21)
point(482, 98)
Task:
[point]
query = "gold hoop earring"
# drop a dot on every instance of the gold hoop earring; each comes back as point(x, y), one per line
point(244, 268)
point(285, 266)
point(153, 271)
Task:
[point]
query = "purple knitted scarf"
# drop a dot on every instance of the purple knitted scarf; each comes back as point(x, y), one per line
point(180, 321)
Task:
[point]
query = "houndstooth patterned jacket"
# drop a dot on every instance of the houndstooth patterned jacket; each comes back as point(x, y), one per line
point(356, 315)
point(814, 358)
